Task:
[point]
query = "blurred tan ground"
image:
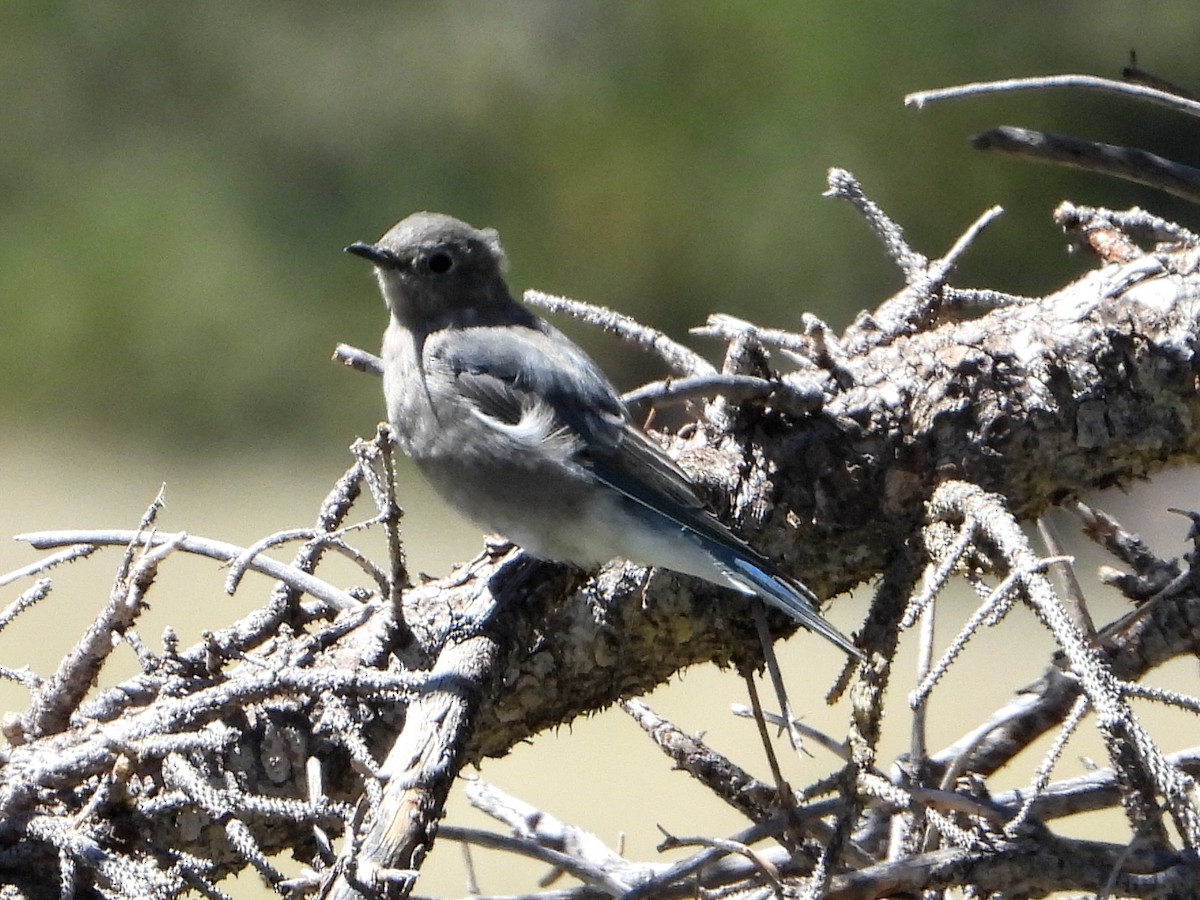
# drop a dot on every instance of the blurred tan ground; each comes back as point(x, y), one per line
point(600, 773)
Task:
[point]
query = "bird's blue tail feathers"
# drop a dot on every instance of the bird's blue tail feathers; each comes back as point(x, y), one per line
point(786, 594)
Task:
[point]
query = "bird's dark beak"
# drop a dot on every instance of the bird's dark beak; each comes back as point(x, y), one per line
point(385, 259)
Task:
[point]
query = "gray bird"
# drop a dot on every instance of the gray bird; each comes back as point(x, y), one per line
point(519, 430)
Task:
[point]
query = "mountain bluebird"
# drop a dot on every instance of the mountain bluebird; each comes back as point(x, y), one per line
point(519, 430)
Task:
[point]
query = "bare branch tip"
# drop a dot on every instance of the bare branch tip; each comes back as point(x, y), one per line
point(357, 359)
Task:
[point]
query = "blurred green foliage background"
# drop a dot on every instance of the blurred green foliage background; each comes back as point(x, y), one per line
point(178, 180)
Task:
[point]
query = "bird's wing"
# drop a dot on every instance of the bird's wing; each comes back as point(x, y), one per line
point(539, 388)
point(532, 386)
point(639, 469)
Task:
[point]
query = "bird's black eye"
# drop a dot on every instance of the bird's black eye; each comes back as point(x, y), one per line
point(439, 262)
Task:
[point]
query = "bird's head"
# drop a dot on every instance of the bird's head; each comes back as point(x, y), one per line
point(433, 269)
